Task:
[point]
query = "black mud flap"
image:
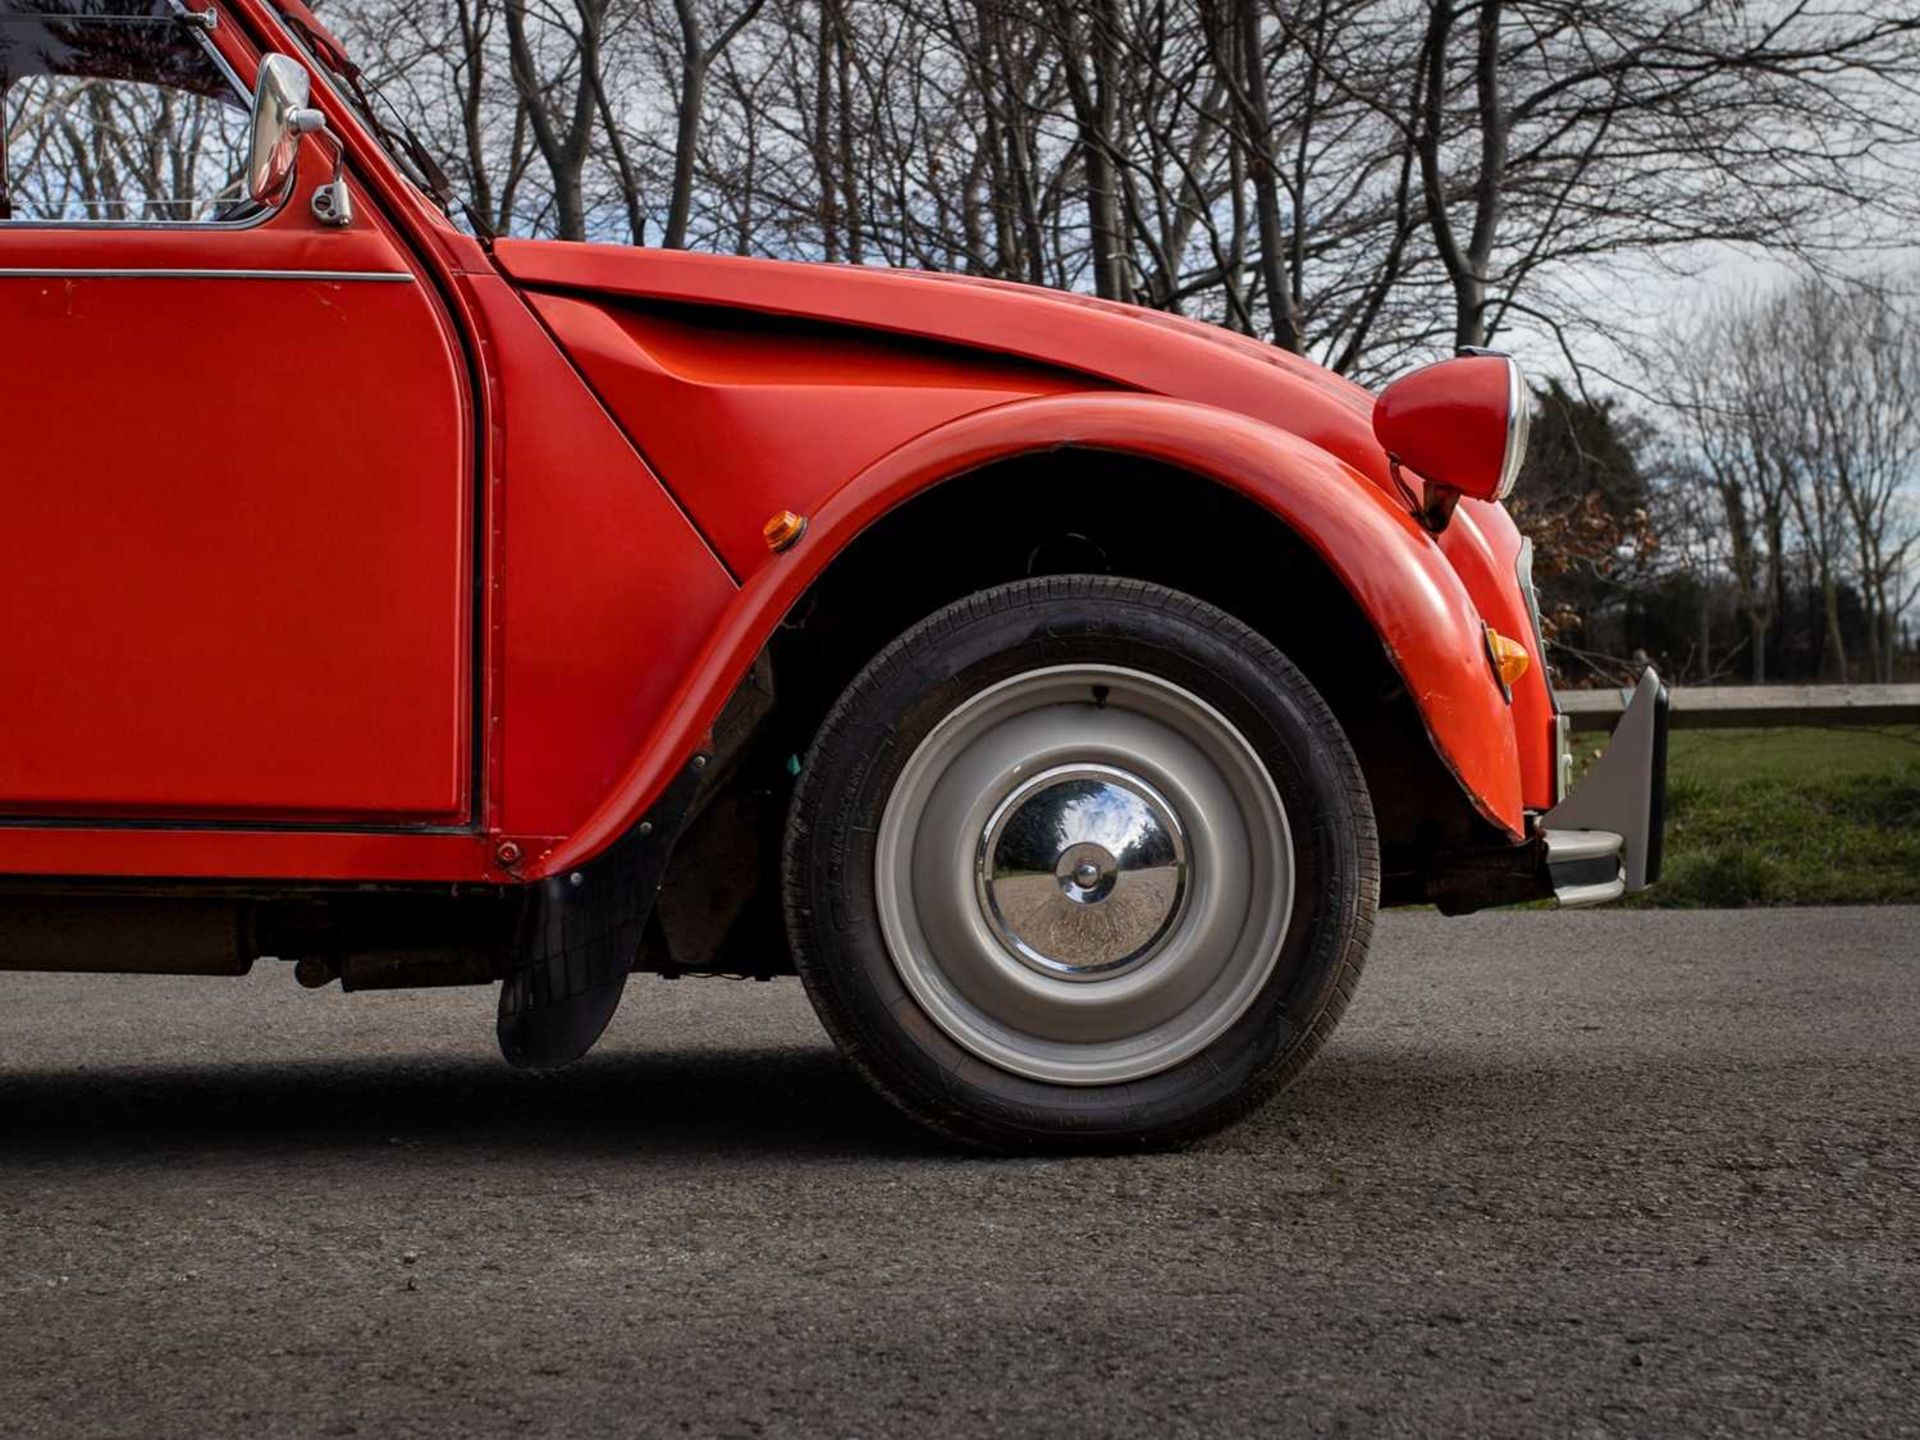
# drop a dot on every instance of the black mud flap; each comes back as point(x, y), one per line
point(579, 936)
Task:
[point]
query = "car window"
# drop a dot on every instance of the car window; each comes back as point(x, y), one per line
point(117, 112)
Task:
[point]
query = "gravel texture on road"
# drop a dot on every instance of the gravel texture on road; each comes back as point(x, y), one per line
point(1557, 1173)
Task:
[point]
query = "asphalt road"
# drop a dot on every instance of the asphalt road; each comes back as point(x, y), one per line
point(1572, 1174)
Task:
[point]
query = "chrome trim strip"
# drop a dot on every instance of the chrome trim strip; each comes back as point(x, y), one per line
point(35, 273)
point(1577, 850)
point(1562, 756)
point(88, 227)
point(1570, 847)
point(1573, 897)
point(1523, 573)
point(1560, 730)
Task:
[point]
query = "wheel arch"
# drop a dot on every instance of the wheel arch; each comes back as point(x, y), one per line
point(1162, 524)
point(1181, 494)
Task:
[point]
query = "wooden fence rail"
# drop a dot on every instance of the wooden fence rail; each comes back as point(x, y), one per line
point(1760, 706)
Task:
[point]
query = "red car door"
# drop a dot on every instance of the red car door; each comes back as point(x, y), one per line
point(235, 460)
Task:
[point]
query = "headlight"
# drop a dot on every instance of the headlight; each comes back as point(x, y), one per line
point(1519, 418)
point(1460, 425)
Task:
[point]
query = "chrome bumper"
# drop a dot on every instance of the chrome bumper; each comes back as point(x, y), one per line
point(1604, 839)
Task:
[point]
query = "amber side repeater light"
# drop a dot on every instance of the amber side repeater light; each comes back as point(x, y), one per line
point(1510, 659)
point(783, 529)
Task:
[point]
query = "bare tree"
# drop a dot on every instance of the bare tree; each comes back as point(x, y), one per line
point(1718, 378)
point(1801, 412)
point(1365, 181)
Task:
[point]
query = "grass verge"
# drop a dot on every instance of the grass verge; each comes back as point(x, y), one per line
point(1790, 817)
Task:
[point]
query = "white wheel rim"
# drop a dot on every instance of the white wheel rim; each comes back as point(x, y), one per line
point(1084, 875)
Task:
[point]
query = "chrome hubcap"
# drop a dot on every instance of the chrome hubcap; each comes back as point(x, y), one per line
point(1084, 874)
point(1082, 870)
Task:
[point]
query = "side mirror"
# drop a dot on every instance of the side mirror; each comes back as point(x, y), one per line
point(280, 117)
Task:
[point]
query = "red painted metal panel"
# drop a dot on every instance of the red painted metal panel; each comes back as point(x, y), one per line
point(1115, 344)
point(214, 854)
point(743, 421)
point(612, 634)
point(1483, 546)
point(604, 592)
point(235, 552)
point(1395, 570)
point(601, 597)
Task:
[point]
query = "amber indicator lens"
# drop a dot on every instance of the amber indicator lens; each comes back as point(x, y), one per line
point(1510, 658)
point(783, 528)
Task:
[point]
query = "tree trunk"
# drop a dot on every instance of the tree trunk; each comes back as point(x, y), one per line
point(849, 172)
point(569, 205)
point(1706, 635)
point(823, 150)
point(1282, 310)
point(1830, 610)
point(686, 140)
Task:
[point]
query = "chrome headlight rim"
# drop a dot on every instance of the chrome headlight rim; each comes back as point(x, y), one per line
point(1519, 422)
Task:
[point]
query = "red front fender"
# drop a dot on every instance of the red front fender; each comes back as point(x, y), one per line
point(1392, 567)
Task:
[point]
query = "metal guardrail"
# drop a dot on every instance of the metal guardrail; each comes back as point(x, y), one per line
point(1758, 706)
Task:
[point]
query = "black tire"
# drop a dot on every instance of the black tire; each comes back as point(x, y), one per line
point(878, 723)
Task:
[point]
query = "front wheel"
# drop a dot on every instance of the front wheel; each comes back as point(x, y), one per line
point(1080, 862)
